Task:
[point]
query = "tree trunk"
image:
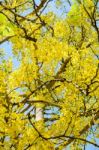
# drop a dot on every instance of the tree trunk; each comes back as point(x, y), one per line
point(39, 114)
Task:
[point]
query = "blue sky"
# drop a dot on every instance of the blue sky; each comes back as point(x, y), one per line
point(8, 53)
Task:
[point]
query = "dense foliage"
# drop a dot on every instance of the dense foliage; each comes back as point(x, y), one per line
point(50, 100)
